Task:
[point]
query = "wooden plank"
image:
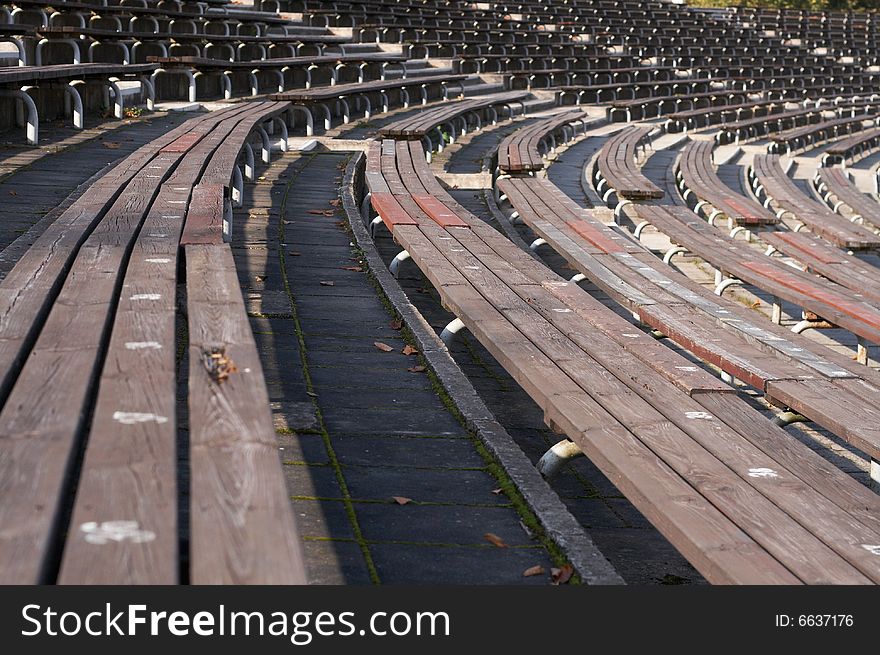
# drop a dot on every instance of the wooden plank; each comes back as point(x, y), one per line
point(823, 399)
point(130, 464)
point(243, 530)
point(67, 355)
point(520, 304)
point(204, 216)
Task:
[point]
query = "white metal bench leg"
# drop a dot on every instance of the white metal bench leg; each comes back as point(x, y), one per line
point(250, 169)
point(578, 277)
point(861, 351)
point(118, 100)
point(266, 150)
point(808, 324)
point(553, 461)
point(672, 252)
point(237, 187)
point(33, 117)
point(76, 105)
point(452, 328)
point(729, 282)
point(777, 311)
point(788, 417)
point(399, 258)
point(537, 243)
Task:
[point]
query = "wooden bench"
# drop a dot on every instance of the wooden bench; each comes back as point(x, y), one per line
point(480, 109)
point(280, 68)
point(693, 464)
point(826, 260)
point(808, 136)
point(720, 331)
point(696, 175)
point(838, 191)
point(761, 126)
point(20, 82)
point(130, 43)
point(321, 98)
point(738, 263)
point(780, 191)
point(617, 172)
point(657, 106)
point(852, 148)
point(707, 116)
point(521, 151)
point(576, 77)
point(90, 321)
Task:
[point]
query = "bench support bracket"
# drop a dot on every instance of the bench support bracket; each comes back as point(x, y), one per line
point(553, 461)
point(399, 258)
point(452, 328)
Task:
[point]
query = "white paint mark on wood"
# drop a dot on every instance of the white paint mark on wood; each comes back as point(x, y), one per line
point(101, 534)
point(763, 473)
point(157, 235)
point(143, 345)
point(872, 548)
point(699, 415)
point(133, 418)
point(146, 296)
point(690, 369)
point(631, 335)
point(562, 310)
point(158, 260)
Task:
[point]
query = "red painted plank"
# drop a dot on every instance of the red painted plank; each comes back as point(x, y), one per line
point(183, 143)
point(802, 242)
point(596, 237)
point(390, 211)
point(439, 212)
point(861, 311)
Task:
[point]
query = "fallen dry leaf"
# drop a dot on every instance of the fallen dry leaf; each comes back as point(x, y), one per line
point(495, 540)
point(218, 365)
point(534, 570)
point(261, 278)
point(112, 145)
point(401, 500)
point(409, 350)
point(316, 212)
point(384, 347)
point(327, 283)
point(561, 575)
point(13, 193)
point(294, 253)
point(335, 202)
point(498, 491)
point(396, 324)
point(416, 369)
point(356, 269)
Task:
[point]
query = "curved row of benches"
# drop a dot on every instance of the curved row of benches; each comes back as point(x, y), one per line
point(521, 151)
point(604, 384)
point(697, 176)
point(771, 181)
point(838, 191)
point(719, 331)
point(88, 324)
point(617, 171)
